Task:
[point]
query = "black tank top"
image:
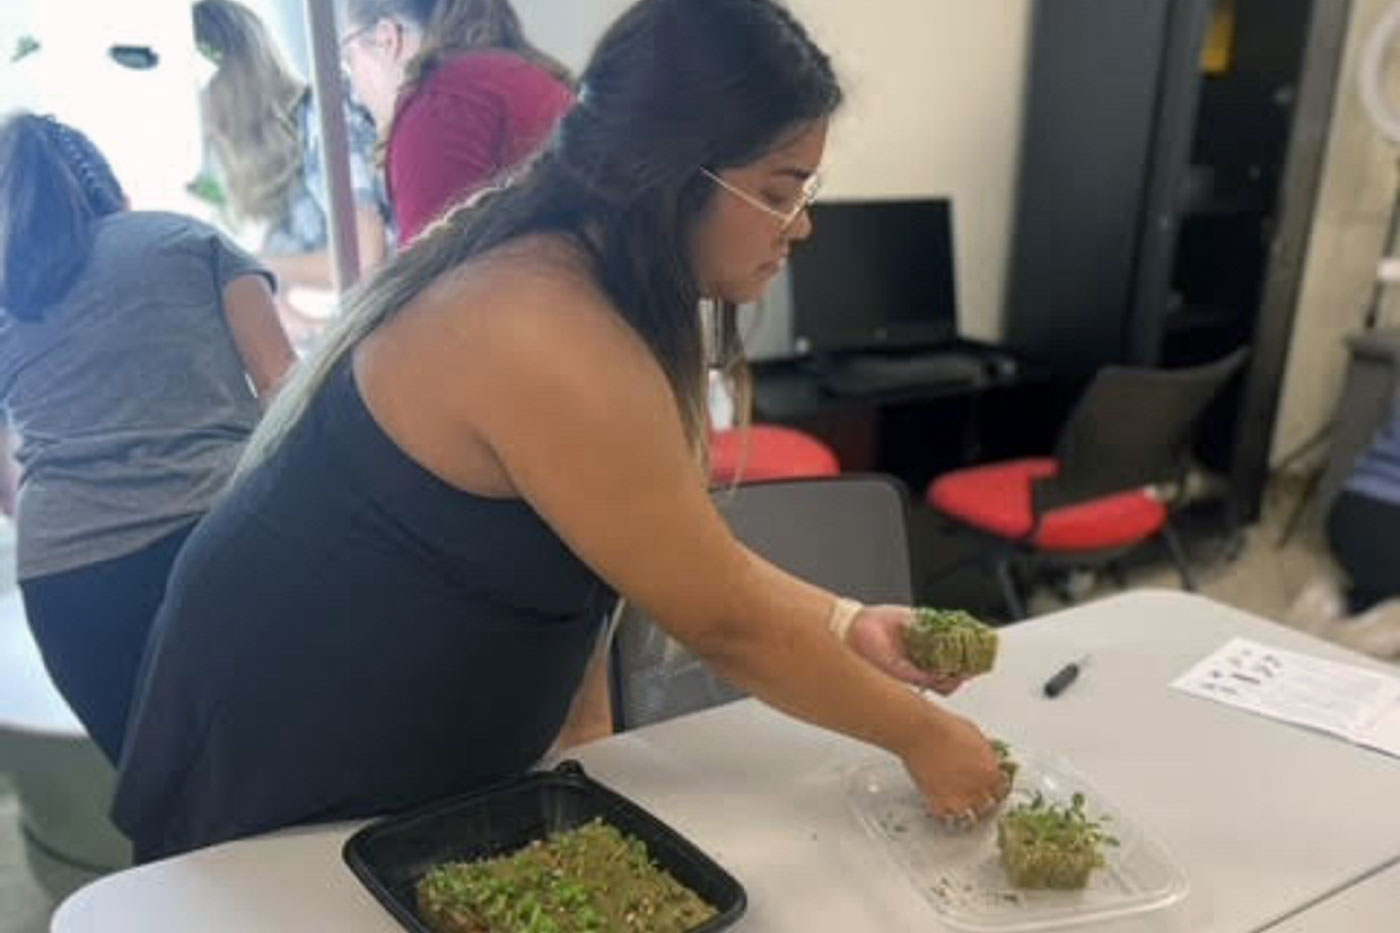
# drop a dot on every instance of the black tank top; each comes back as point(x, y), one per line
point(345, 635)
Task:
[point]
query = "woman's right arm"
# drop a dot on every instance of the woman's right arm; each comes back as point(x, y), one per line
point(581, 418)
point(251, 311)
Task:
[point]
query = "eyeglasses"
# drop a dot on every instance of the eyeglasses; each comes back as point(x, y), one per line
point(352, 35)
point(805, 197)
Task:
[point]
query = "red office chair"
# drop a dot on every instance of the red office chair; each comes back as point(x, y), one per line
point(1092, 501)
point(767, 451)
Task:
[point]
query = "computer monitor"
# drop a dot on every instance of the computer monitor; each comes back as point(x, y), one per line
point(874, 274)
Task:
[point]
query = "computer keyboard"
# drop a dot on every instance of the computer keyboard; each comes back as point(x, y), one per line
point(869, 374)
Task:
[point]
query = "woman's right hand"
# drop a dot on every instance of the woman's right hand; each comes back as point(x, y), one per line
point(957, 770)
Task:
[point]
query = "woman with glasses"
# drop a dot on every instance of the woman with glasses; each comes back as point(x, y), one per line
point(458, 92)
point(264, 133)
point(135, 347)
point(402, 595)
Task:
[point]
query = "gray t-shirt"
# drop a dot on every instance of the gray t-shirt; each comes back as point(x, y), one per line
point(130, 396)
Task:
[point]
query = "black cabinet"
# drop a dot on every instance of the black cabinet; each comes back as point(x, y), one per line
point(1164, 199)
point(919, 431)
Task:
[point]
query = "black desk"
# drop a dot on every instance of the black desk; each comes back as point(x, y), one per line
point(916, 432)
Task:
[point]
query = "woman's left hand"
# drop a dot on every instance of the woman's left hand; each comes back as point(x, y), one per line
point(877, 634)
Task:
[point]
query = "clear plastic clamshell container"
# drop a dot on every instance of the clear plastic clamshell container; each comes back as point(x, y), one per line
point(959, 873)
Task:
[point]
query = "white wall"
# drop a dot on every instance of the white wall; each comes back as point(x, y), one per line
point(934, 108)
point(568, 28)
point(286, 19)
point(1359, 183)
point(146, 122)
point(935, 102)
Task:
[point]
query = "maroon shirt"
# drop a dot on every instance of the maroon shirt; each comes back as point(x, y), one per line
point(476, 116)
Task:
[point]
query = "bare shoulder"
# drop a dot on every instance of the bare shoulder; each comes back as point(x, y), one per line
point(537, 275)
point(521, 341)
point(538, 296)
point(527, 317)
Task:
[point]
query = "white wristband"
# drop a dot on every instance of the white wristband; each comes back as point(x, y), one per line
point(843, 614)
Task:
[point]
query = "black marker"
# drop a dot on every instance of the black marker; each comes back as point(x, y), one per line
point(1064, 677)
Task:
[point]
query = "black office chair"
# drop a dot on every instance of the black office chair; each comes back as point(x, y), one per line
point(846, 533)
point(1092, 501)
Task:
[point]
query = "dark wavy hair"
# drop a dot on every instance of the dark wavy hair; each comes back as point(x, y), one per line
point(54, 184)
point(674, 86)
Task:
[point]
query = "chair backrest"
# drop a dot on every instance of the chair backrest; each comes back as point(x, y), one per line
point(847, 533)
point(1131, 428)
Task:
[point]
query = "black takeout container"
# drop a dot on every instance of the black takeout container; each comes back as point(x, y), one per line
point(390, 855)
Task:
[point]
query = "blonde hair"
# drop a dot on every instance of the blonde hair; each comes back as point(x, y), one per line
point(729, 358)
point(730, 362)
point(249, 109)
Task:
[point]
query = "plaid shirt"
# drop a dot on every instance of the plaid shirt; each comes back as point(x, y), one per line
point(304, 226)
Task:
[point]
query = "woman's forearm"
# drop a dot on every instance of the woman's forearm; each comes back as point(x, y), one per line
point(775, 644)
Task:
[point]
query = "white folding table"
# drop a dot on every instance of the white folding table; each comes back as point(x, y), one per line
point(1265, 818)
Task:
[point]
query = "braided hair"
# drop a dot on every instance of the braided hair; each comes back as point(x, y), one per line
point(54, 184)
